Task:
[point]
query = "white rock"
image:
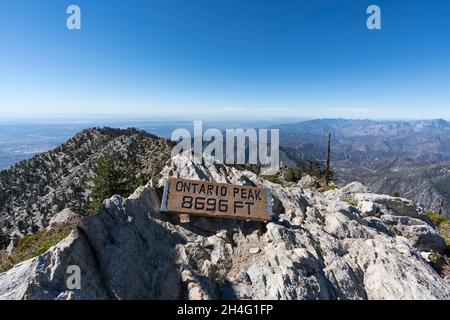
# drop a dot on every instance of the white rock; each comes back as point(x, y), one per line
point(397, 206)
point(367, 208)
point(421, 235)
point(307, 182)
point(253, 250)
point(354, 187)
point(318, 247)
point(66, 216)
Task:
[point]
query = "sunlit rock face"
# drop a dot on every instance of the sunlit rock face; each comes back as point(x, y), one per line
point(341, 244)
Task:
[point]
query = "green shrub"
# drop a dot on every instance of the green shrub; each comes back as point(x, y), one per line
point(273, 179)
point(292, 175)
point(312, 168)
point(436, 218)
point(328, 188)
point(352, 201)
point(316, 169)
point(442, 224)
point(255, 168)
point(33, 246)
point(396, 194)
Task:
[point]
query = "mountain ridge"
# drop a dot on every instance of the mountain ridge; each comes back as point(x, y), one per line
point(32, 191)
point(339, 244)
point(387, 156)
point(42, 186)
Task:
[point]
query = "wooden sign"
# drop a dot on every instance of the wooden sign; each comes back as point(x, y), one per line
point(218, 200)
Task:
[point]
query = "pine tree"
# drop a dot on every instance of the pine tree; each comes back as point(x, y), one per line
point(110, 179)
point(313, 168)
point(293, 174)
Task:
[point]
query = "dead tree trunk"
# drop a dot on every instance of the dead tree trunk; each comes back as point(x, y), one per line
point(328, 170)
point(441, 207)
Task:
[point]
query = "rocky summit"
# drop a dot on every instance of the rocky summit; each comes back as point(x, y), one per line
point(339, 244)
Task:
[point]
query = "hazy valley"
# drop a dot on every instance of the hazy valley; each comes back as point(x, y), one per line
point(411, 158)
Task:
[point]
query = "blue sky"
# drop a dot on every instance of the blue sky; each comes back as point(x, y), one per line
point(225, 59)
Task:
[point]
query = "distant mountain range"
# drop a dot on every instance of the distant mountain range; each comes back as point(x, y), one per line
point(408, 157)
point(411, 158)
